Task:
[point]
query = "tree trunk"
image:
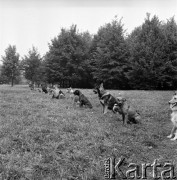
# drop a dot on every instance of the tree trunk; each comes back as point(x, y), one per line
point(12, 82)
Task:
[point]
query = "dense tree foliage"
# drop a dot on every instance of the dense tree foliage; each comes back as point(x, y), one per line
point(152, 57)
point(31, 63)
point(110, 55)
point(10, 68)
point(144, 59)
point(66, 61)
point(170, 54)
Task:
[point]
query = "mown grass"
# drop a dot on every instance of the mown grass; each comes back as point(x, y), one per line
point(47, 139)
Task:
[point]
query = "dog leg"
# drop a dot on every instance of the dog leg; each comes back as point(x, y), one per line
point(126, 119)
point(172, 132)
point(123, 118)
point(74, 104)
point(81, 104)
point(105, 109)
point(102, 106)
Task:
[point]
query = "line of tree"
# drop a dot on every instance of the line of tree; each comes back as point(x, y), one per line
point(144, 59)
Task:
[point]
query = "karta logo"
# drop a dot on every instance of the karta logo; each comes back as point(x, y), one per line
point(138, 171)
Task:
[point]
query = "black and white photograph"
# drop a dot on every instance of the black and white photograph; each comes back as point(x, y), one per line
point(88, 89)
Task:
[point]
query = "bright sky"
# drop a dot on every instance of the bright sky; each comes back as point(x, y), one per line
point(27, 23)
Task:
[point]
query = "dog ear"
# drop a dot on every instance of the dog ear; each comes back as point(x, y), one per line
point(77, 92)
point(101, 86)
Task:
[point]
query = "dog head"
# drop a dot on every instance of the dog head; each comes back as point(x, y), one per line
point(99, 89)
point(173, 103)
point(55, 87)
point(120, 100)
point(96, 89)
point(118, 105)
point(77, 92)
point(69, 90)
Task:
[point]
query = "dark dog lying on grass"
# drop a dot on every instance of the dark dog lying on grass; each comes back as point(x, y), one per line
point(82, 99)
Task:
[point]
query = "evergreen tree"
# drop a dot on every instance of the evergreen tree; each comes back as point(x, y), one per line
point(109, 55)
point(32, 64)
point(67, 58)
point(147, 60)
point(10, 68)
point(169, 69)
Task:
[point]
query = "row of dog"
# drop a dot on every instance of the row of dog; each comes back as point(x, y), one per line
point(108, 101)
point(119, 104)
point(129, 115)
point(115, 104)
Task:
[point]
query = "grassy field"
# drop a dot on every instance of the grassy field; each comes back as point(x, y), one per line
point(47, 139)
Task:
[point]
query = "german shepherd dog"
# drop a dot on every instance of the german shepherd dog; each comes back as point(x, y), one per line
point(106, 99)
point(129, 114)
point(82, 99)
point(173, 107)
